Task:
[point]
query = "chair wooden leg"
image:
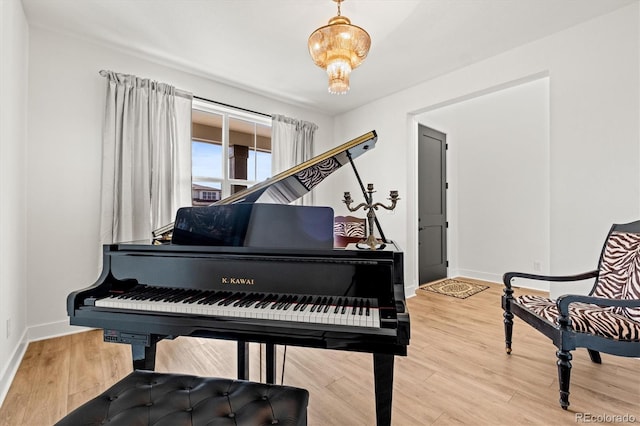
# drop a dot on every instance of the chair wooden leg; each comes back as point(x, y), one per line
point(508, 330)
point(508, 317)
point(595, 356)
point(564, 376)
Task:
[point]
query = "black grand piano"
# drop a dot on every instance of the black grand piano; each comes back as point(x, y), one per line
point(252, 268)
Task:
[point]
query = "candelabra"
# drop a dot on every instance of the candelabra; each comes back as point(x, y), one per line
point(371, 208)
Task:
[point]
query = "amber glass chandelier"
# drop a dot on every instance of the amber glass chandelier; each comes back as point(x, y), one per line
point(339, 48)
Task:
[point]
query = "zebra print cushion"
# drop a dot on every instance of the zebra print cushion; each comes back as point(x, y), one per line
point(619, 274)
point(349, 229)
point(585, 318)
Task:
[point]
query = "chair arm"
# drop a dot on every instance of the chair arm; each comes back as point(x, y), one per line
point(506, 278)
point(564, 301)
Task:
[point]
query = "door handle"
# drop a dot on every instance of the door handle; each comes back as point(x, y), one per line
point(420, 228)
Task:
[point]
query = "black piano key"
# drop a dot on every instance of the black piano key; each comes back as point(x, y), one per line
point(262, 302)
point(321, 302)
point(338, 303)
point(222, 301)
point(175, 296)
point(368, 312)
point(159, 294)
point(280, 302)
point(272, 298)
point(169, 295)
point(199, 296)
point(211, 299)
point(243, 300)
point(317, 304)
point(306, 303)
point(259, 297)
point(292, 300)
point(218, 296)
point(190, 295)
point(231, 299)
point(302, 302)
point(255, 298)
point(328, 305)
point(361, 307)
point(283, 302)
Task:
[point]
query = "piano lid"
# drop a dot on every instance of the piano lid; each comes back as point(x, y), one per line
point(293, 183)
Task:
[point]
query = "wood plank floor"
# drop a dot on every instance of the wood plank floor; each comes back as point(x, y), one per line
point(456, 373)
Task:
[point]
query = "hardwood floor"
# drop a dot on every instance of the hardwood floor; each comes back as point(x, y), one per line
point(457, 372)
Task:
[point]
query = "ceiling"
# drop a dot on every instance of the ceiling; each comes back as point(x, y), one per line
point(261, 45)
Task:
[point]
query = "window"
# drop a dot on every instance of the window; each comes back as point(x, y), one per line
point(210, 195)
point(230, 151)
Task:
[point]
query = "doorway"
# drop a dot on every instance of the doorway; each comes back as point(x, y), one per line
point(432, 204)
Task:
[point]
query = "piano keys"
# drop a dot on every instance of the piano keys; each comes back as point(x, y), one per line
point(224, 277)
point(339, 311)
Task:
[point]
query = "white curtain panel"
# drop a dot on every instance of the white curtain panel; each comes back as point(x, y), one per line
point(291, 144)
point(146, 156)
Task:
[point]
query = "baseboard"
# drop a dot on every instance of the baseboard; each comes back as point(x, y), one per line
point(12, 367)
point(496, 278)
point(479, 275)
point(51, 330)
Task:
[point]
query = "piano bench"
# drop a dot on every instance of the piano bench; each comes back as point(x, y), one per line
point(150, 398)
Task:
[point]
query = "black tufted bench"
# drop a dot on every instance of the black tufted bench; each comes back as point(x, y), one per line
point(160, 399)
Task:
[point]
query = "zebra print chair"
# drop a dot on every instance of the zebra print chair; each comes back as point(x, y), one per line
point(348, 229)
point(607, 320)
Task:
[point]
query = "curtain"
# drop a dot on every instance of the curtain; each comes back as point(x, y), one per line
point(146, 156)
point(291, 144)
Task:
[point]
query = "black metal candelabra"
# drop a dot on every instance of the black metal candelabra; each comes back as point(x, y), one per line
point(371, 208)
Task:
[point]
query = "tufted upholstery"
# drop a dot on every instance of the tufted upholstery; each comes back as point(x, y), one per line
point(149, 398)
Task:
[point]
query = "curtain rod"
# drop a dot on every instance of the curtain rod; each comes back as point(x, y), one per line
point(178, 92)
point(231, 106)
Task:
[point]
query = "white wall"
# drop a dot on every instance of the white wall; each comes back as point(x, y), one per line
point(14, 44)
point(593, 160)
point(66, 97)
point(593, 70)
point(498, 174)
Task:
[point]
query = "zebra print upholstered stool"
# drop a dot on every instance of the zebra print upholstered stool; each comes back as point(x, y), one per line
point(607, 320)
point(149, 398)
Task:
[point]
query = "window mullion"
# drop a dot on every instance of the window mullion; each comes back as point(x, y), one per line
point(226, 185)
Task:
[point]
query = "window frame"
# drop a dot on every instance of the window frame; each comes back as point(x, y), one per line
point(228, 113)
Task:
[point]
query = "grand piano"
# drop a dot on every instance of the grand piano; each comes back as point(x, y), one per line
point(252, 268)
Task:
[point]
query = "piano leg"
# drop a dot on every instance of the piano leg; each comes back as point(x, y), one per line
point(271, 363)
point(144, 357)
point(383, 376)
point(243, 360)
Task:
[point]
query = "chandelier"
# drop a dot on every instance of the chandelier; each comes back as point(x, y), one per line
point(339, 48)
